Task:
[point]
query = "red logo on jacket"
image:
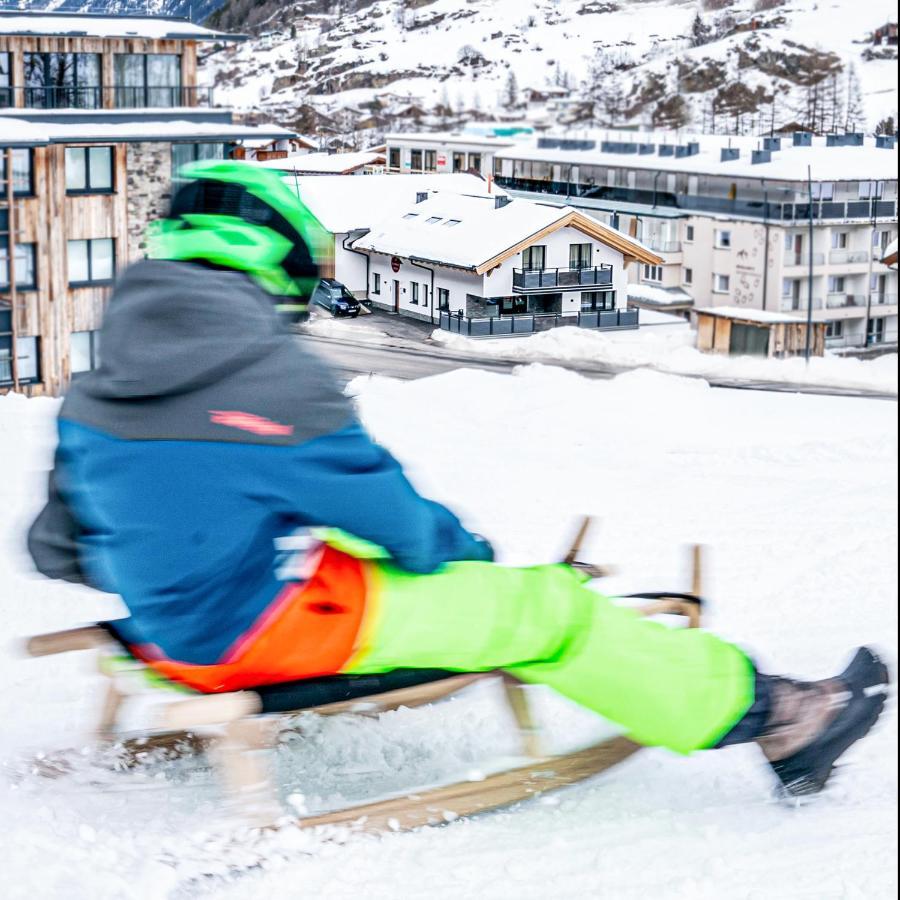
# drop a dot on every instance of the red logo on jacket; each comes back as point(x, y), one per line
point(249, 422)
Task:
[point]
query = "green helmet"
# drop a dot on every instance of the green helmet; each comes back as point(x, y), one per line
point(235, 215)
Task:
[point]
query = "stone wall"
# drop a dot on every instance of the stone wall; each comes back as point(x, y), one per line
point(149, 191)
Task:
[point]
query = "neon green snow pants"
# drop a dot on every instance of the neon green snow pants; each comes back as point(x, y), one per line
point(678, 688)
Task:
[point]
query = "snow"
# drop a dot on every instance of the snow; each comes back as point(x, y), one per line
point(327, 163)
point(762, 316)
point(107, 27)
point(673, 351)
point(464, 231)
point(790, 163)
point(796, 498)
point(17, 131)
point(346, 204)
point(142, 128)
point(662, 296)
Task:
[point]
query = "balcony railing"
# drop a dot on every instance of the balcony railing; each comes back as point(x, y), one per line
point(879, 299)
point(561, 279)
point(840, 257)
point(496, 326)
point(822, 211)
point(802, 259)
point(837, 300)
point(664, 246)
point(110, 97)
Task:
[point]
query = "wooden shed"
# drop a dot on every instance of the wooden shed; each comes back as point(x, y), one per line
point(753, 332)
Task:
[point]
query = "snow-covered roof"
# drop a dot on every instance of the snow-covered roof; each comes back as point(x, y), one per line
point(747, 315)
point(659, 295)
point(890, 254)
point(135, 130)
point(435, 138)
point(843, 163)
point(18, 133)
point(46, 24)
point(348, 204)
point(327, 163)
point(476, 233)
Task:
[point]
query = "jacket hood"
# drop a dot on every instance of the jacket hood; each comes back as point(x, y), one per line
point(175, 327)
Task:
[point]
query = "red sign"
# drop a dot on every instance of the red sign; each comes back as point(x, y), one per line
point(442, 160)
point(395, 264)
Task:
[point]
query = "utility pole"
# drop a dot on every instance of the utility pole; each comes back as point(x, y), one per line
point(809, 305)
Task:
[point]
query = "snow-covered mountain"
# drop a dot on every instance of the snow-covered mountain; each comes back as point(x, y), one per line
point(356, 67)
point(197, 10)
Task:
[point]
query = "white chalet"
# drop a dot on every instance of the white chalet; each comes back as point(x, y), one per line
point(502, 266)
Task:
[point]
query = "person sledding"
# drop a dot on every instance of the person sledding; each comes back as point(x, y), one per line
point(210, 430)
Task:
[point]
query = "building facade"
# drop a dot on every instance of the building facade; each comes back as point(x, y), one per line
point(96, 116)
point(730, 218)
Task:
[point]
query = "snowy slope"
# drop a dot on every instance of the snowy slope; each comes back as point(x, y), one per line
point(796, 498)
point(361, 64)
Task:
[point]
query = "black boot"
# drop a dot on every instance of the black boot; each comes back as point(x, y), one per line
point(810, 724)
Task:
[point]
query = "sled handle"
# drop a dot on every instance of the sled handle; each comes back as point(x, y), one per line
point(580, 535)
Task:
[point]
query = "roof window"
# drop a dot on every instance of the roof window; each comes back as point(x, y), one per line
point(451, 222)
point(411, 216)
point(432, 219)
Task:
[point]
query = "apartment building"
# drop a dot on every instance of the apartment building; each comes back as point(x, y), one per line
point(729, 217)
point(96, 116)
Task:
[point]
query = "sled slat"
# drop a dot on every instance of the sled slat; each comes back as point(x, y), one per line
point(447, 803)
point(87, 638)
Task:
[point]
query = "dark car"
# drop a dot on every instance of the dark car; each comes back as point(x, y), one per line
point(333, 296)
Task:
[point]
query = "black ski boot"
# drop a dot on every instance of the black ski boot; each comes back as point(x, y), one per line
point(812, 723)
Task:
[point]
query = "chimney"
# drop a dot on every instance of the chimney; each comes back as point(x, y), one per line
point(421, 196)
point(730, 153)
point(802, 139)
point(760, 156)
point(501, 201)
point(771, 143)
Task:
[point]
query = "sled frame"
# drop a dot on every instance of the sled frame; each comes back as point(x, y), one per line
point(230, 728)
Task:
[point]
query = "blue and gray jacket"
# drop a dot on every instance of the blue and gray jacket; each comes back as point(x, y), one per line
point(208, 432)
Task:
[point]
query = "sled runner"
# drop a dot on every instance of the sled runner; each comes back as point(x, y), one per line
point(233, 727)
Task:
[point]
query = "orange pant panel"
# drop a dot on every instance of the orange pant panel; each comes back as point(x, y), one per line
point(308, 631)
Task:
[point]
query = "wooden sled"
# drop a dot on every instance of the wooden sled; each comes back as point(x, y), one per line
point(233, 727)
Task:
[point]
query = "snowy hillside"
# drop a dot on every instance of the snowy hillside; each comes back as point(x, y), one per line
point(741, 66)
point(800, 518)
point(197, 10)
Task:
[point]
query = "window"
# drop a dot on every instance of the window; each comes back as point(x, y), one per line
point(875, 331)
point(443, 298)
point(475, 161)
point(579, 256)
point(60, 80)
point(790, 293)
point(24, 266)
point(84, 351)
point(6, 94)
point(414, 298)
point(688, 277)
point(188, 153)
point(147, 80)
point(653, 273)
point(27, 353)
point(591, 301)
point(91, 262)
point(836, 284)
point(839, 240)
point(534, 257)
point(721, 284)
point(459, 162)
point(881, 239)
point(451, 222)
point(23, 183)
point(376, 283)
point(870, 190)
point(411, 216)
point(432, 220)
point(689, 233)
point(834, 329)
point(89, 170)
point(394, 158)
point(723, 239)
point(430, 161)
point(823, 190)
point(415, 157)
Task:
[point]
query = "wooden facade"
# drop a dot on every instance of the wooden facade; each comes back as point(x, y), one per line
point(727, 334)
point(108, 49)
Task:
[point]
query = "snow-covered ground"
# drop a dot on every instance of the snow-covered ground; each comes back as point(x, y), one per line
point(796, 498)
point(670, 348)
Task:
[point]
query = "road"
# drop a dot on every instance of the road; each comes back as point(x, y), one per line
point(399, 360)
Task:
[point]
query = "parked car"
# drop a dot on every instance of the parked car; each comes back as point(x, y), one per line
point(334, 296)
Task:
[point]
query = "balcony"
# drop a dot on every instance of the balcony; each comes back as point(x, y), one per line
point(840, 300)
point(530, 280)
point(659, 246)
point(802, 259)
point(497, 326)
point(845, 257)
point(822, 211)
point(879, 299)
point(110, 97)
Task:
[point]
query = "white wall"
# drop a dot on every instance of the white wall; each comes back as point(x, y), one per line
point(349, 267)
